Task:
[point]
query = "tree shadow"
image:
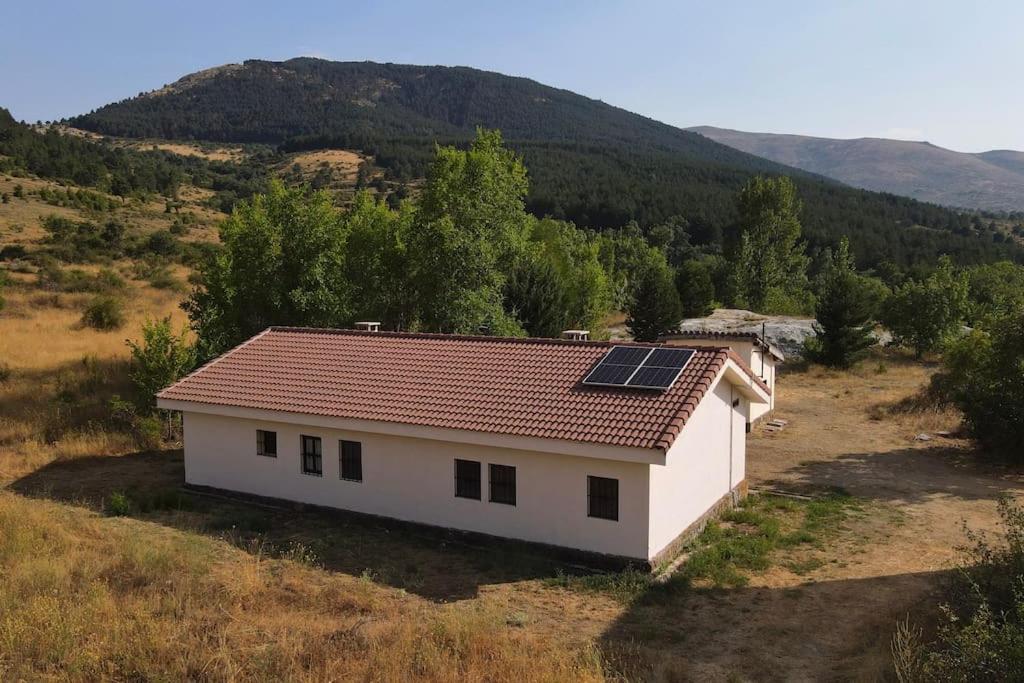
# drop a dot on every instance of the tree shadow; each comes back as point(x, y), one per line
point(908, 475)
point(827, 630)
point(436, 564)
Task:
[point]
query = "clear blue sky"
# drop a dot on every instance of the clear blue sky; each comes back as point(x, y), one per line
point(947, 72)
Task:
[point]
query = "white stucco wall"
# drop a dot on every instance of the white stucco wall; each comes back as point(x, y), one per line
point(413, 479)
point(704, 463)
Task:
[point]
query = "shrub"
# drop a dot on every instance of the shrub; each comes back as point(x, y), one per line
point(104, 312)
point(12, 252)
point(159, 360)
point(118, 505)
point(984, 376)
point(981, 633)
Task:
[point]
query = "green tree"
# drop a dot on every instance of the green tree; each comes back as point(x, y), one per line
point(282, 263)
point(769, 263)
point(575, 255)
point(470, 227)
point(843, 312)
point(655, 308)
point(377, 262)
point(162, 358)
point(996, 290)
point(924, 313)
point(696, 289)
point(535, 294)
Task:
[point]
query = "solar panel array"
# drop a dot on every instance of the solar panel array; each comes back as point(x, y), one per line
point(638, 367)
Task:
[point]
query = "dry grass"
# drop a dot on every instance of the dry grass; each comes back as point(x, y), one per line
point(344, 163)
point(86, 598)
point(61, 373)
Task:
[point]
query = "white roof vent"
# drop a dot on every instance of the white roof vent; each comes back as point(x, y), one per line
point(576, 335)
point(368, 325)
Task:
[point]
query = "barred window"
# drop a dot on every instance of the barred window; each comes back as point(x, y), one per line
point(502, 479)
point(312, 456)
point(467, 479)
point(351, 457)
point(266, 443)
point(603, 498)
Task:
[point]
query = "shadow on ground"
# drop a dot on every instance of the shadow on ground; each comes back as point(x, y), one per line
point(434, 564)
point(828, 630)
point(908, 475)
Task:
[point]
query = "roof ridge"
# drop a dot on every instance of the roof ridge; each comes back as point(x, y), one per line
point(462, 337)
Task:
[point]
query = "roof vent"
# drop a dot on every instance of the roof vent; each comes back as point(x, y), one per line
point(368, 326)
point(576, 335)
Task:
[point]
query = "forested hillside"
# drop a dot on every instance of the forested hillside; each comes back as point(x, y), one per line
point(591, 163)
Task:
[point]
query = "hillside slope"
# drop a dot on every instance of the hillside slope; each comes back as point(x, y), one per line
point(596, 165)
point(992, 181)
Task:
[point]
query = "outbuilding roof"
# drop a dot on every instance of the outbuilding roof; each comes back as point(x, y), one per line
point(719, 335)
point(522, 387)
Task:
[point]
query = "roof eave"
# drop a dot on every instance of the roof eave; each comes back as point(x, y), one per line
point(587, 449)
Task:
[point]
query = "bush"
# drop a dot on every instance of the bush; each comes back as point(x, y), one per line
point(118, 505)
point(104, 312)
point(984, 376)
point(981, 634)
point(159, 360)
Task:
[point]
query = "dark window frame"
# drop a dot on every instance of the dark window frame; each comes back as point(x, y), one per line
point(261, 443)
point(603, 504)
point(466, 486)
point(314, 457)
point(502, 488)
point(350, 460)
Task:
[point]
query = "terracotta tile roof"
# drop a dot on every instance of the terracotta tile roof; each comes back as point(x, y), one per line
point(523, 387)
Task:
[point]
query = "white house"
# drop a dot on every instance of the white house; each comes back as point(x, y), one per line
point(613, 449)
point(760, 356)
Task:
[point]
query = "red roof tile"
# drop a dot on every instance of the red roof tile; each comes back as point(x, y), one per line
point(524, 387)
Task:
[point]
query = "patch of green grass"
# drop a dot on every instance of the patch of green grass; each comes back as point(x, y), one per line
point(743, 541)
point(725, 553)
point(625, 586)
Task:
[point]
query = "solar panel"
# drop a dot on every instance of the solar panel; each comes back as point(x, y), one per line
point(660, 369)
point(617, 366)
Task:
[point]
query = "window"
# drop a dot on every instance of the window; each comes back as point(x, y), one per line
point(502, 479)
point(351, 457)
point(467, 479)
point(603, 498)
point(266, 443)
point(312, 456)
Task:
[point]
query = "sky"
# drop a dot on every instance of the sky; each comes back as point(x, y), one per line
point(942, 71)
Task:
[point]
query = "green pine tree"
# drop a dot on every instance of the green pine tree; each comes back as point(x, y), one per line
point(655, 308)
point(843, 312)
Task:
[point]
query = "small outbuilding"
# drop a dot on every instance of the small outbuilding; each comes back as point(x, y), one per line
point(760, 356)
point(617, 449)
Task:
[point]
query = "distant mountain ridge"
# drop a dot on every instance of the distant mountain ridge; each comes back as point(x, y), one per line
point(991, 181)
point(591, 163)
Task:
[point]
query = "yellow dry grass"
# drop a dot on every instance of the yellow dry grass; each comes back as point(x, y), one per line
point(45, 350)
point(344, 163)
point(86, 598)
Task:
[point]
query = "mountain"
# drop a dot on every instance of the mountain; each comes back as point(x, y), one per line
point(991, 181)
point(594, 164)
